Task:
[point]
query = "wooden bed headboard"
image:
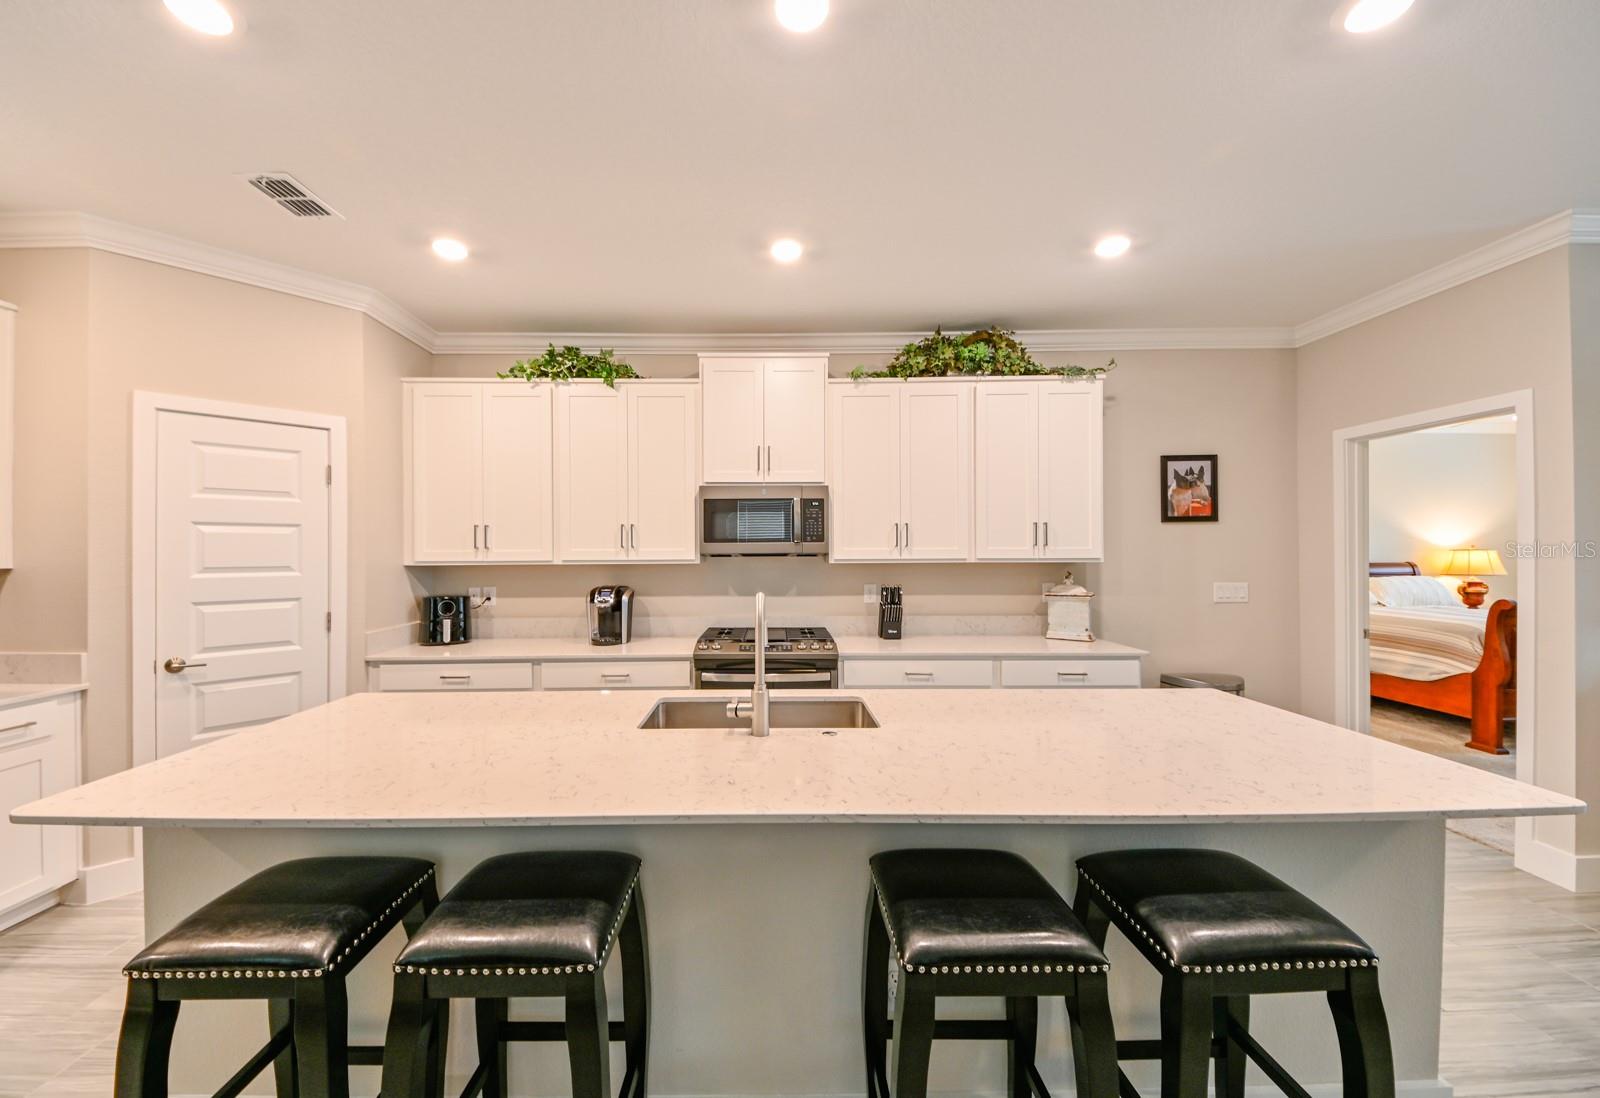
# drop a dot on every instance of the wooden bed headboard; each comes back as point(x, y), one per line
point(1393, 568)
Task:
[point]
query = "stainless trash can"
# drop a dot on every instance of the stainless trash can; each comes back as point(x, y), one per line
point(1204, 680)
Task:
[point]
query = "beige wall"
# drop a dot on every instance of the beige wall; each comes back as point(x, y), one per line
point(1433, 491)
point(1505, 331)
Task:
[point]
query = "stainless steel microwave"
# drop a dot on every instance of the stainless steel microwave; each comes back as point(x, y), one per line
point(764, 520)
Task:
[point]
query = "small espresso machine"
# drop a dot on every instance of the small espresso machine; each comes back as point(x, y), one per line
point(446, 619)
point(611, 615)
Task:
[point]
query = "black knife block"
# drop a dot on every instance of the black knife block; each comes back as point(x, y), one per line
point(891, 614)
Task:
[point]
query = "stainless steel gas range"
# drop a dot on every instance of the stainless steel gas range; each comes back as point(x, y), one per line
point(798, 658)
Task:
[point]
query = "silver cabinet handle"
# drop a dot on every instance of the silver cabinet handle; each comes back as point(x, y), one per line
point(622, 535)
point(1047, 534)
point(758, 457)
point(23, 727)
point(919, 674)
point(1036, 535)
point(615, 676)
point(486, 536)
point(769, 460)
point(177, 665)
point(455, 678)
point(908, 535)
point(474, 537)
point(897, 535)
point(1072, 674)
point(633, 536)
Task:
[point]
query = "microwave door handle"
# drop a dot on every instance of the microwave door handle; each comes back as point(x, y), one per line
point(796, 506)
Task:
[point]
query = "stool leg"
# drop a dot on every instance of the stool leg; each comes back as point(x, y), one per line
point(1232, 1062)
point(438, 1025)
point(1089, 913)
point(1363, 1030)
point(588, 1035)
point(1094, 1041)
point(438, 1046)
point(1022, 1047)
point(636, 993)
point(145, 1043)
point(491, 1015)
point(280, 1016)
point(875, 998)
point(321, 1038)
point(409, 1046)
point(913, 1039)
point(1185, 1036)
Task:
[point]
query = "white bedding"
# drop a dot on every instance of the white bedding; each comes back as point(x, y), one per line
point(1426, 642)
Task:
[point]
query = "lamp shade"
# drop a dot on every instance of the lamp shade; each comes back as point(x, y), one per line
point(1474, 562)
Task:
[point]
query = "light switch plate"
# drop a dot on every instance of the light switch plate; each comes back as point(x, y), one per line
point(1230, 592)
point(869, 593)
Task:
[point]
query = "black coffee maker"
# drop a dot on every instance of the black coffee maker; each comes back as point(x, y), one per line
point(446, 619)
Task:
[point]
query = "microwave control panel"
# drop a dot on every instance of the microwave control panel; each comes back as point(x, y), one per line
point(813, 526)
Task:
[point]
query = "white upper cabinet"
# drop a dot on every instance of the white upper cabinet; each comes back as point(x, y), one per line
point(900, 471)
point(626, 471)
point(8, 424)
point(1038, 470)
point(762, 419)
point(477, 473)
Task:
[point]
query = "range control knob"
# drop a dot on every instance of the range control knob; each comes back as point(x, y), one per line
point(717, 645)
point(828, 645)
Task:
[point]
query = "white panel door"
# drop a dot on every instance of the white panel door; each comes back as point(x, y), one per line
point(864, 474)
point(242, 546)
point(663, 449)
point(1070, 474)
point(936, 471)
point(518, 503)
point(1006, 470)
point(794, 414)
point(731, 400)
point(591, 473)
point(446, 448)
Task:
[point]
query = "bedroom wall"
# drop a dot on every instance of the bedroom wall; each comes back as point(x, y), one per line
point(1432, 491)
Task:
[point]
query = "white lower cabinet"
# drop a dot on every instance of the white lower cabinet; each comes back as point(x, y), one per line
point(454, 676)
point(878, 674)
point(1045, 673)
point(38, 757)
point(616, 675)
point(870, 674)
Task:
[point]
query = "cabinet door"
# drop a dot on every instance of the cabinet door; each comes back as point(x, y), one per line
point(1070, 475)
point(446, 472)
point(663, 448)
point(936, 471)
point(8, 426)
point(38, 757)
point(732, 447)
point(518, 509)
point(864, 482)
point(794, 412)
point(591, 473)
point(1006, 470)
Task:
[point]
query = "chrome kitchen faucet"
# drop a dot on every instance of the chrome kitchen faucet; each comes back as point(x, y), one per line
point(760, 712)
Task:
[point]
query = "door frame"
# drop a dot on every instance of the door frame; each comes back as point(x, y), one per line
point(147, 409)
point(1352, 700)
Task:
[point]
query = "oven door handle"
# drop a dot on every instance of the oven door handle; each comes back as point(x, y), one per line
point(748, 678)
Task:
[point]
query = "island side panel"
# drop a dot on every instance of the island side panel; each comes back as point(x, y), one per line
point(755, 937)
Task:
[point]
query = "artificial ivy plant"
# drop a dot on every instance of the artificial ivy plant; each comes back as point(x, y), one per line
point(569, 363)
point(988, 352)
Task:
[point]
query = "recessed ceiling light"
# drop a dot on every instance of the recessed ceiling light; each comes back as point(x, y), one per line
point(801, 16)
point(205, 16)
point(446, 248)
point(787, 250)
point(1109, 247)
point(1363, 16)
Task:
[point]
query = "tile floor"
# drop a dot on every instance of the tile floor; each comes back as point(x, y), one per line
point(1445, 736)
point(1521, 988)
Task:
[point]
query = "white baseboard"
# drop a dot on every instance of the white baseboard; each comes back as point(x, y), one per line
point(28, 910)
point(1573, 872)
point(105, 881)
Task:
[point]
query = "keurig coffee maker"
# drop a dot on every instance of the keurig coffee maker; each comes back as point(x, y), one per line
point(611, 615)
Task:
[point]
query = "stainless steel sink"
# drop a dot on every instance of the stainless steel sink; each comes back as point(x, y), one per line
point(787, 712)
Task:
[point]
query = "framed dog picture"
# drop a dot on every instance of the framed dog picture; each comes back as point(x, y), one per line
point(1189, 488)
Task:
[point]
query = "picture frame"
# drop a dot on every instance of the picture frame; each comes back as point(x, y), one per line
point(1189, 488)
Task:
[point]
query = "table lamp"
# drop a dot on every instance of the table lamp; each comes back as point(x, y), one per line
point(1473, 562)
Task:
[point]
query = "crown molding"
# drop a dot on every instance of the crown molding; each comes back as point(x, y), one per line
point(1569, 227)
point(79, 230)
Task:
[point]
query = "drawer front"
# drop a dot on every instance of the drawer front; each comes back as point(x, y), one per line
point(38, 757)
point(881, 673)
point(1036, 673)
point(456, 676)
point(617, 675)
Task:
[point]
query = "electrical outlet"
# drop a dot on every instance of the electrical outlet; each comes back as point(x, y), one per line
point(1230, 592)
point(869, 592)
point(474, 594)
point(489, 595)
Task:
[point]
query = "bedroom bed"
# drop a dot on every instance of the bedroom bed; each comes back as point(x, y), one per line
point(1433, 653)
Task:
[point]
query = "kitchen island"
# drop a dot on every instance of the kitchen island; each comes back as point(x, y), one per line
point(755, 849)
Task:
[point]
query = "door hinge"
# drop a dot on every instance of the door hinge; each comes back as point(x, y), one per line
point(329, 621)
point(330, 474)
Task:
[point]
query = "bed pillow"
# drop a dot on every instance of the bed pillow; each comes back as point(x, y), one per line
point(1373, 599)
point(1408, 591)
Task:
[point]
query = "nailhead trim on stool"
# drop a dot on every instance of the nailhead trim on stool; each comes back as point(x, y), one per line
point(550, 970)
point(1260, 966)
point(275, 974)
point(962, 970)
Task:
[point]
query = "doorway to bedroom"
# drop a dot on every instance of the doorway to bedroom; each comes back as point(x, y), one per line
point(1434, 507)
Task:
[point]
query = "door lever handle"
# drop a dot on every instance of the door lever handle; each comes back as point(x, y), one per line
point(177, 665)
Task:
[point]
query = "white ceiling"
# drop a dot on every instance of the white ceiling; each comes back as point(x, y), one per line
point(621, 165)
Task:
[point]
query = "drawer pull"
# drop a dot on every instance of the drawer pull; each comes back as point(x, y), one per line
point(1072, 674)
point(455, 678)
point(919, 674)
point(20, 730)
point(616, 676)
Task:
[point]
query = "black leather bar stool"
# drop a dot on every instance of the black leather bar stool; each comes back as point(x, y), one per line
point(528, 925)
point(978, 923)
point(1221, 929)
point(288, 935)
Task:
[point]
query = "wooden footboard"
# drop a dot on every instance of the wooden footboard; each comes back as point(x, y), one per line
point(1487, 696)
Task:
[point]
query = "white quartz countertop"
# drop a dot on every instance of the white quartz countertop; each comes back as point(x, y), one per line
point(545, 649)
point(13, 694)
point(958, 756)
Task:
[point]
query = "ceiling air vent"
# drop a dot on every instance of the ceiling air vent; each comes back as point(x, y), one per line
point(291, 195)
